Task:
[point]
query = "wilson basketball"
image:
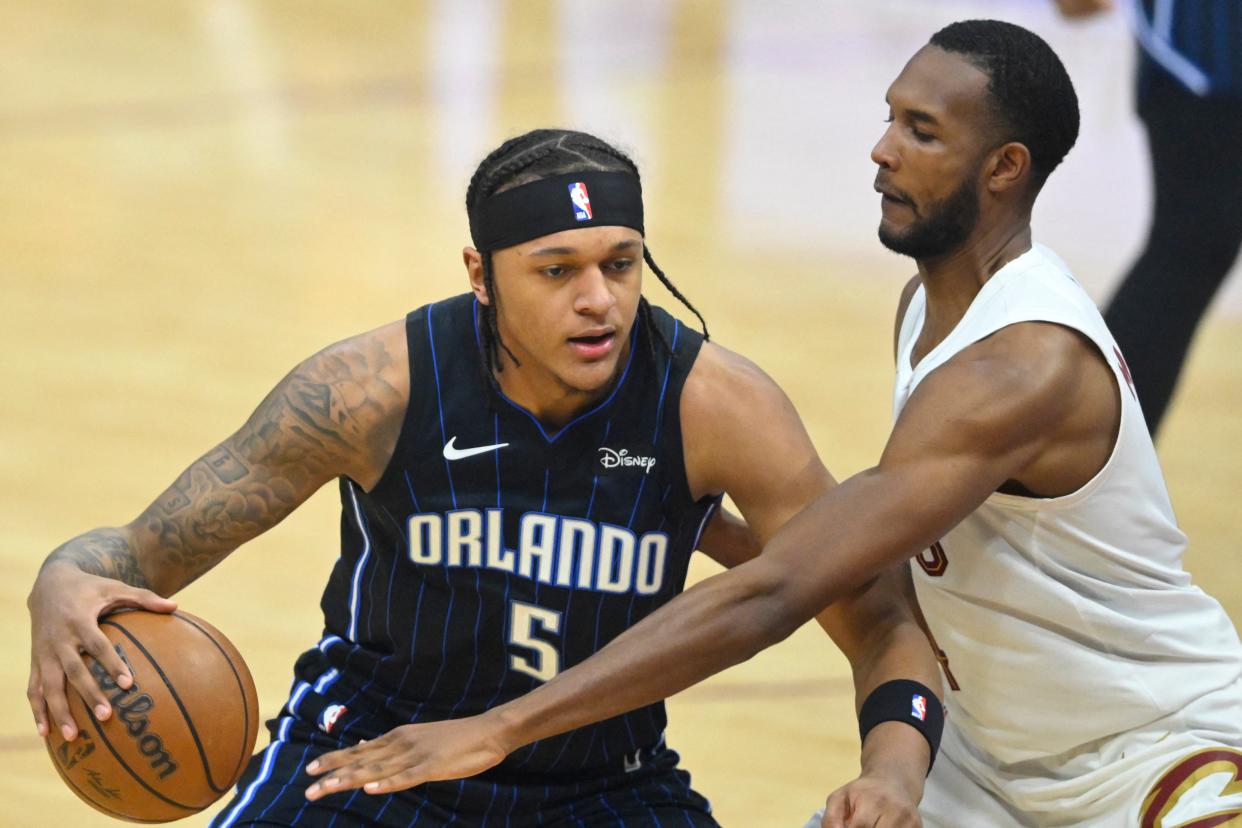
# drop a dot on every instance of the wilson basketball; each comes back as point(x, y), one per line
point(178, 738)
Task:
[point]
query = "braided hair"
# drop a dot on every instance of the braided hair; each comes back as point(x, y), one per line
point(542, 153)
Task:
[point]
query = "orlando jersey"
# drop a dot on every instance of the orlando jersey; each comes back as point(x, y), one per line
point(494, 553)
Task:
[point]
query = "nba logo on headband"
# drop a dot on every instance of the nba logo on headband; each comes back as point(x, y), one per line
point(582, 201)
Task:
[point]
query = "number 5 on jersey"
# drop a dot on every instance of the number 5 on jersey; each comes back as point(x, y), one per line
point(525, 620)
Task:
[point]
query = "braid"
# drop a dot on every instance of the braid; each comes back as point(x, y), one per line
point(654, 334)
point(539, 154)
point(647, 257)
point(668, 283)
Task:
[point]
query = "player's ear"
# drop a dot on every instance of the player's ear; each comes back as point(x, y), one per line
point(473, 260)
point(1009, 167)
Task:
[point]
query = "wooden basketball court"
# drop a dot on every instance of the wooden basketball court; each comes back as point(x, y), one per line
point(196, 195)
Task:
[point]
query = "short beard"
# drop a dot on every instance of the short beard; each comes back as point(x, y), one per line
point(946, 226)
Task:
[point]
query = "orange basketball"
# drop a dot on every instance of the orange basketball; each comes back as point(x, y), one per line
point(178, 738)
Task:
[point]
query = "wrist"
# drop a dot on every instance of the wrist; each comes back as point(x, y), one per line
point(897, 754)
point(909, 704)
point(510, 726)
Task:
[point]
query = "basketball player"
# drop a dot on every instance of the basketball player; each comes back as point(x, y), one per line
point(1088, 682)
point(524, 471)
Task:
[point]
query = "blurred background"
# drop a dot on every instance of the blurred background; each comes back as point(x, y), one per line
point(196, 195)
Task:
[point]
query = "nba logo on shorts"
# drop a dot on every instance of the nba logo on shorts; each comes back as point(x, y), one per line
point(918, 707)
point(582, 201)
point(329, 716)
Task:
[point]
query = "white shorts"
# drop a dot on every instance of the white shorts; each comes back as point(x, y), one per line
point(1184, 771)
point(1179, 771)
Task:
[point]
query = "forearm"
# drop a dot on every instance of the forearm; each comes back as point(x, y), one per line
point(896, 749)
point(720, 622)
point(897, 652)
point(219, 502)
point(818, 557)
point(106, 552)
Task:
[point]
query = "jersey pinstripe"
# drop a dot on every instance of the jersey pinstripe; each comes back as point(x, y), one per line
point(1199, 42)
point(465, 582)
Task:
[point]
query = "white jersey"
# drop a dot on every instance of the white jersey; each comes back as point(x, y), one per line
point(1064, 620)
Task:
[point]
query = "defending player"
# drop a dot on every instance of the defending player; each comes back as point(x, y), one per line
point(524, 473)
point(1090, 683)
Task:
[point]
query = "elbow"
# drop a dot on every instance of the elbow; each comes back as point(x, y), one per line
point(769, 607)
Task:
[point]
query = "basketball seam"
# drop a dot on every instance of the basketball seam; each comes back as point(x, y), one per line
point(245, 753)
point(108, 744)
point(185, 714)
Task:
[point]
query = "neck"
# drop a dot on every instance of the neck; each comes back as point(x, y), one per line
point(548, 398)
point(952, 281)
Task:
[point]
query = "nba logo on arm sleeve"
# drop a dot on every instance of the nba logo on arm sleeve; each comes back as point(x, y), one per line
point(581, 201)
point(918, 707)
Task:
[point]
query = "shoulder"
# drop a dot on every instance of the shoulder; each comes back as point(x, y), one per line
point(903, 304)
point(730, 406)
point(724, 380)
point(379, 355)
point(1034, 353)
point(682, 337)
point(1022, 381)
point(359, 388)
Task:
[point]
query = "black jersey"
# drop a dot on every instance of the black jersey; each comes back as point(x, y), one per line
point(493, 554)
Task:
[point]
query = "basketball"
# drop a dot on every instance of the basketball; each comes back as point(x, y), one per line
point(178, 738)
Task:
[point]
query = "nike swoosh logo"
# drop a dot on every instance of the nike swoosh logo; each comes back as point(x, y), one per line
point(451, 452)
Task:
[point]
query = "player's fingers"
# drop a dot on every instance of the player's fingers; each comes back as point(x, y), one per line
point(83, 680)
point(360, 752)
point(34, 695)
point(333, 760)
point(397, 782)
point(865, 814)
point(836, 810)
point(354, 775)
point(131, 596)
point(53, 685)
point(101, 649)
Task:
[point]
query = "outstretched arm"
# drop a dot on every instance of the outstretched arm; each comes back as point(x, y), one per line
point(338, 413)
point(977, 422)
point(989, 416)
point(741, 436)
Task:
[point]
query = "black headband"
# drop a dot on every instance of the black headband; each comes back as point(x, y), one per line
point(550, 205)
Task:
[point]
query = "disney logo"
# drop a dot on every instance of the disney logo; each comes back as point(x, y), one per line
point(615, 459)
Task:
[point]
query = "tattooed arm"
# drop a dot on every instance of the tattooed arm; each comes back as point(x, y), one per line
point(338, 413)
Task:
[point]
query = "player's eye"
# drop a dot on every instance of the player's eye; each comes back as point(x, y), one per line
point(553, 271)
point(620, 265)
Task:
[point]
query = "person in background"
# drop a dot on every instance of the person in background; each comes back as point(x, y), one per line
point(1189, 93)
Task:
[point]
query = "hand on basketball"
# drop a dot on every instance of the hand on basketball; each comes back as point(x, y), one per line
point(410, 755)
point(65, 605)
point(871, 802)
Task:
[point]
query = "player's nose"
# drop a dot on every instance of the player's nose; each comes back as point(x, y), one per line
point(884, 153)
point(593, 297)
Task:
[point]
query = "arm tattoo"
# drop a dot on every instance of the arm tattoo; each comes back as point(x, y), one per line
point(103, 552)
point(334, 414)
point(330, 416)
point(226, 467)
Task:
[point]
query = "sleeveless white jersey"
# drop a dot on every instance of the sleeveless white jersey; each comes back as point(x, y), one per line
point(1064, 620)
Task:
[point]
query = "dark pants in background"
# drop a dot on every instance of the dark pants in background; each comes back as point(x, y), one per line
point(1196, 230)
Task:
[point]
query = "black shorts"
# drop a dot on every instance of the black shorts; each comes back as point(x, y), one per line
point(655, 794)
